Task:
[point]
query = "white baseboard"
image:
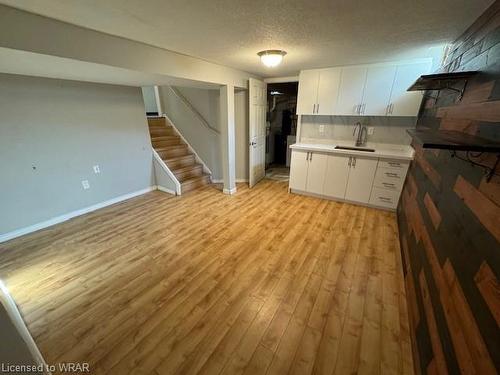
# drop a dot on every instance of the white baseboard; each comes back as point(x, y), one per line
point(229, 191)
point(169, 191)
point(238, 181)
point(59, 219)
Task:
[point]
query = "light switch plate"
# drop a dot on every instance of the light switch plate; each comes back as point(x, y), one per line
point(97, 169)
point(371, 130)
point(322, 128)
point(85, 184)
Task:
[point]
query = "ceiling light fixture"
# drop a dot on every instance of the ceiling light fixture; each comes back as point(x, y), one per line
point(271, 57)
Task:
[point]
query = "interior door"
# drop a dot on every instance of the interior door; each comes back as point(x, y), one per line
point(407, 103)
point(352, 83)
point(316, 172)
point(257, 95)
point(360, 182)
point(328, 91)
point(307, 97)
point(377, 92)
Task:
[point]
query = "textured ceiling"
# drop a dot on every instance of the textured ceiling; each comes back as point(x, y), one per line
point(314, 33)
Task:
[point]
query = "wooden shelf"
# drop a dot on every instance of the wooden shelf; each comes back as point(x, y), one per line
point(440, 81)
point(452, 140)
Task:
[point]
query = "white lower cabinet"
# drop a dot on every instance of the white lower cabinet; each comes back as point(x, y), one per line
point(360, 182)
point(298, 169)
point(316, 172)
point(352, 178)
point(337, 174)
point(388, 183)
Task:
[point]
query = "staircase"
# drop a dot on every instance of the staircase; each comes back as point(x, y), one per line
point(176, 154)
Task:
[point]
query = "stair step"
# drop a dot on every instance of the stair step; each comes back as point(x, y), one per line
point(195, 182)
point(180, 161)
point(161, 131)
point(166, 140)
point(157, 121)
point(172, 151)
point(188, 172)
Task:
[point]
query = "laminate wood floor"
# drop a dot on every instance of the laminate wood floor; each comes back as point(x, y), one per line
point(262, 282)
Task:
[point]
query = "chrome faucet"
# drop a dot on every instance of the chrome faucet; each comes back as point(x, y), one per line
point(362, 134)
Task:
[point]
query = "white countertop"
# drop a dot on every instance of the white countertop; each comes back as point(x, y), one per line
point(382, 150)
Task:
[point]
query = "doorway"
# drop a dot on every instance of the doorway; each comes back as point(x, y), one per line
point(281, 128)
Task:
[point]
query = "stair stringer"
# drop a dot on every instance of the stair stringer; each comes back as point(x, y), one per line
point(190, 148)
point(167, 173)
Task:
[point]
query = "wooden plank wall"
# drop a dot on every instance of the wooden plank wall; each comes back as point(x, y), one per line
point(449, 220)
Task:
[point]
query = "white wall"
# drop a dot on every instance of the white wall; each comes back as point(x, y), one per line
point(203, 140)
point(148, 94)
point(53, 132)
point(206, 103)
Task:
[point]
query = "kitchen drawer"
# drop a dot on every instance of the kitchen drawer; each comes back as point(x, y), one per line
point(390, 176)
point(394, 164)
point(384, 198)
point(389, 179)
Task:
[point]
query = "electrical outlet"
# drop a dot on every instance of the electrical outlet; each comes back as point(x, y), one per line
point(322, 129)
point(371, 130)
point(85, 184)
point(97, 169)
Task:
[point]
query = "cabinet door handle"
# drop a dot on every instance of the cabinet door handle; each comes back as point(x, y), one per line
point(311, 156)
point(363, 107)
point(391, 108)
point(317, 108)
point(354, 162)
point(349, 163)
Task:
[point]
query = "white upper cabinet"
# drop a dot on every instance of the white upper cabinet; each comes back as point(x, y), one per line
point(377, 93)
point(328, 91)
point(307, 97)
point(364, 90)
point(318, 91)
point(402, 102)
point(352, 83)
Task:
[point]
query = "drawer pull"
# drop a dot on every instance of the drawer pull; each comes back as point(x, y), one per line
point(388, 184)
point(391, 174)
point(385, 199)
point(394, 164)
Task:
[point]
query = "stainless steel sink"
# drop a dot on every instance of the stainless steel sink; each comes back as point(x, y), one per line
point(354, 148)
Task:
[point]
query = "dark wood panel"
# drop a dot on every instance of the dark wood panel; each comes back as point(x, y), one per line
point(486, 211)
point(448, 218)
point(490, 289)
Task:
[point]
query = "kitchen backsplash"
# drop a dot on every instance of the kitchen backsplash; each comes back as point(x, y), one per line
point(386, 129)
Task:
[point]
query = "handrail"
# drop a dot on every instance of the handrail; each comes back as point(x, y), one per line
point(198, 158)
point(188, 104)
